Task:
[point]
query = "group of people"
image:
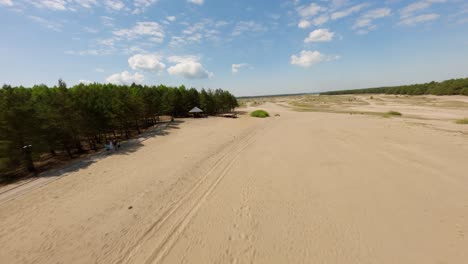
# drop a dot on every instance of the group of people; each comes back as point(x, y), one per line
point(113, 145)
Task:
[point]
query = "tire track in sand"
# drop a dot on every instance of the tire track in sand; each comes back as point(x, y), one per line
point(159, 238)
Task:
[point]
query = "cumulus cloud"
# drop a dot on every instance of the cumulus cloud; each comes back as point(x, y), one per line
point(125, 78)
point(309, 10)
point(114, 5)
point(152, 30)
point(171, 18)
point(6, 3)
point(141, 5)
point(236, 67)
point(146, 62)
point(197, 2)
point(304, 24)
point(309, 58)
point(365, 24)
point(188, 67)
point(319, 35)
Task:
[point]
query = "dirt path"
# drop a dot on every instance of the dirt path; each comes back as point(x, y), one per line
point(298, 188)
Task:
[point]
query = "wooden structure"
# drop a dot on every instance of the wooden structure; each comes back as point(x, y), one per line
point(196, 112)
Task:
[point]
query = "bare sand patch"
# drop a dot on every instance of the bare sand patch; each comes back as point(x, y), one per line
point(301, 187)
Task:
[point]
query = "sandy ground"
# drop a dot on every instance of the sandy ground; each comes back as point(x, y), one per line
point(302, 187)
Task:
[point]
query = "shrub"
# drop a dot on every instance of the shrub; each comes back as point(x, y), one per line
point(392, 113)
point(259, 114)
point(463, 121)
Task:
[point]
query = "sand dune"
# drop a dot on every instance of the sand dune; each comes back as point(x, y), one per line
point(302, 187)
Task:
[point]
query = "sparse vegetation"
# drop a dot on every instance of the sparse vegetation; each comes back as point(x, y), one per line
point(259, 114)
point(392, 113)
point(463, 121)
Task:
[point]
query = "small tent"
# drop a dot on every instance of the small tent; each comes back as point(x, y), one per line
point(196, 112)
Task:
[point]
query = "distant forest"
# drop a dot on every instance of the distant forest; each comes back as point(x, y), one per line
point(84, 117)
point(449, 87)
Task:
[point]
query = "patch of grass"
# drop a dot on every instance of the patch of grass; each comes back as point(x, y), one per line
point(463, 121)
point(392, 113)
point(259, 114)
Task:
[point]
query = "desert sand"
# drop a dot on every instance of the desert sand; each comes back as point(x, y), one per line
point(306, 186)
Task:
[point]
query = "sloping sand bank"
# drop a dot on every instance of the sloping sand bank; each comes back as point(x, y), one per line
point(302, 187)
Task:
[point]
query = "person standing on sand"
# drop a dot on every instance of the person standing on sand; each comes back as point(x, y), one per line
point(116, 144)
point(111, 146)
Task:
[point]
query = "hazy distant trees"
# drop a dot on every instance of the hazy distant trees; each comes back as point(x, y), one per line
point(68, 120)
point(449, 87)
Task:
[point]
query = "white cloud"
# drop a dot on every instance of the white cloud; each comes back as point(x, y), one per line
point(418, 19)
point(115, 5)
point(91, 30)
point(85, 82)
point(134, 50)
point(310, 10)
point(99, 70)
point(51, 4)
point(188, 67)
point(309, 58)
point(365, 22)
point(86, 3)
point(107, 21)
point(347, 12)
point(93, 52)
point(193, 33)
point(125, 78)
point(207, 29)
point(47, 24)
point(141, 5)
point(6, 3)
point(236, 67)
point(143, 29)
point(320, 20)
point(146, 62)
point(72, 5)
point(248, 26)
point(304, 24)
point(171, 18)
point(410, 15)
point(418, 6)
point(319, 35)
point(106, 42)
point(197, 2)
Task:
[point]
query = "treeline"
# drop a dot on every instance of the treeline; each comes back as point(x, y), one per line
point(39, 120)
point(449, 87)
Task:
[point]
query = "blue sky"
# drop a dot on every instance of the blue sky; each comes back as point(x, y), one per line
point(248, 47)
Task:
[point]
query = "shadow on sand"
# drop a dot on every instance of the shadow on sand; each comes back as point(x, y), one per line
point(126, 148)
